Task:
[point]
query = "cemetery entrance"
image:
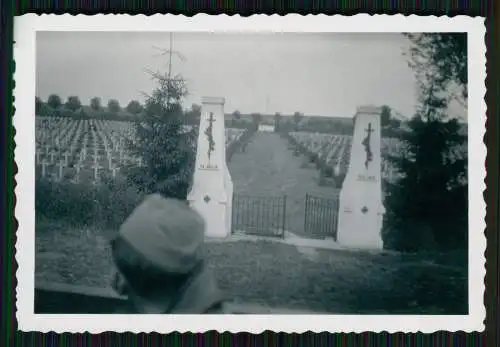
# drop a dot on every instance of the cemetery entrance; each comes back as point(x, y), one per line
point(266, 215)
point(259, 215)
point(321, 215)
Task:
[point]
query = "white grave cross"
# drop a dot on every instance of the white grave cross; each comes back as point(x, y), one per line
point(96, 168)
point(114, 170)
point(44, 168)
point(76, 178)
point(61, 166)
point(66, 156)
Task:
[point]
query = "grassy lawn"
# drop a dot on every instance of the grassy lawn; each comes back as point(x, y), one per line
point(278, 275)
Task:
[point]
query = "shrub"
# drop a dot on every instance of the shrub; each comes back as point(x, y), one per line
point(105, 205)
point(45, 111)
point(95, 103)
point(427, 208)
point(73, 103)
point(54, 101)
point(114, 105)
point(134, 107)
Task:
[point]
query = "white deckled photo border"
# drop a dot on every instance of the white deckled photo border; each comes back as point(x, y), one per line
point(25, 28)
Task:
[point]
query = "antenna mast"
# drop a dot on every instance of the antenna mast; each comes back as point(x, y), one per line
point(170, 57)
point(170, 52)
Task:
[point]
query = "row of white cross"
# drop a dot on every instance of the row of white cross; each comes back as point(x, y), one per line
point(331, 147)
point(80, 133)
point(67, 138)
point(78, 167)
point(76, 138)
point(83, 155)
point(108, 135)
point(337, 147)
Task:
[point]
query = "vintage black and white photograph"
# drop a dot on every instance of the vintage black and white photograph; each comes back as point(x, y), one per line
point(286, 173)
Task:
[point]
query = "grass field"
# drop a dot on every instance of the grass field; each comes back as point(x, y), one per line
point(276, 274)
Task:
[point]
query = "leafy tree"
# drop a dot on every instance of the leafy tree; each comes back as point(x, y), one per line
point(134, 107)
point(237, 115)
point(390, 123)
point(427, 207)
point(166, 149)
point(73, 103)
point(440, 60)
point(114, 105)
point(385, 116)
point(193, 115)
point(54, 101)
point(277, 121)
point(297, 117)
point(256, 118)
point(95, 103)
point(196, 109)
point(38, 105)
point(394, 123)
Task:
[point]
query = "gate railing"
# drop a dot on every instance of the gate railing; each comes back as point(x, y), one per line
point(321, 216)
point(259, 215)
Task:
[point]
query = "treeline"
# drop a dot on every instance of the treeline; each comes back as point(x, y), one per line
point(73, 108)
point(134, 111)
point(391, 126)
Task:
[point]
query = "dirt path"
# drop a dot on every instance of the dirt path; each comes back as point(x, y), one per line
point(268, 167)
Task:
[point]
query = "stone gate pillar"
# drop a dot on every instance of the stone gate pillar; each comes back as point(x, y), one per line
point(361, 208)
point(212, 190)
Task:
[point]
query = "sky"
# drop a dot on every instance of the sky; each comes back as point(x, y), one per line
point(322, 74)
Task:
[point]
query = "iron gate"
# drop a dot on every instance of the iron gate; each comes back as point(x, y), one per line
point(259, 215)
point(321, 216)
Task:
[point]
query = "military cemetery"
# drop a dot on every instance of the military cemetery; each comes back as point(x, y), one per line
point(297, 208)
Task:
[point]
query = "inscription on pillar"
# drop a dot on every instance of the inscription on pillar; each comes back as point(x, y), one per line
point(365, 178)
